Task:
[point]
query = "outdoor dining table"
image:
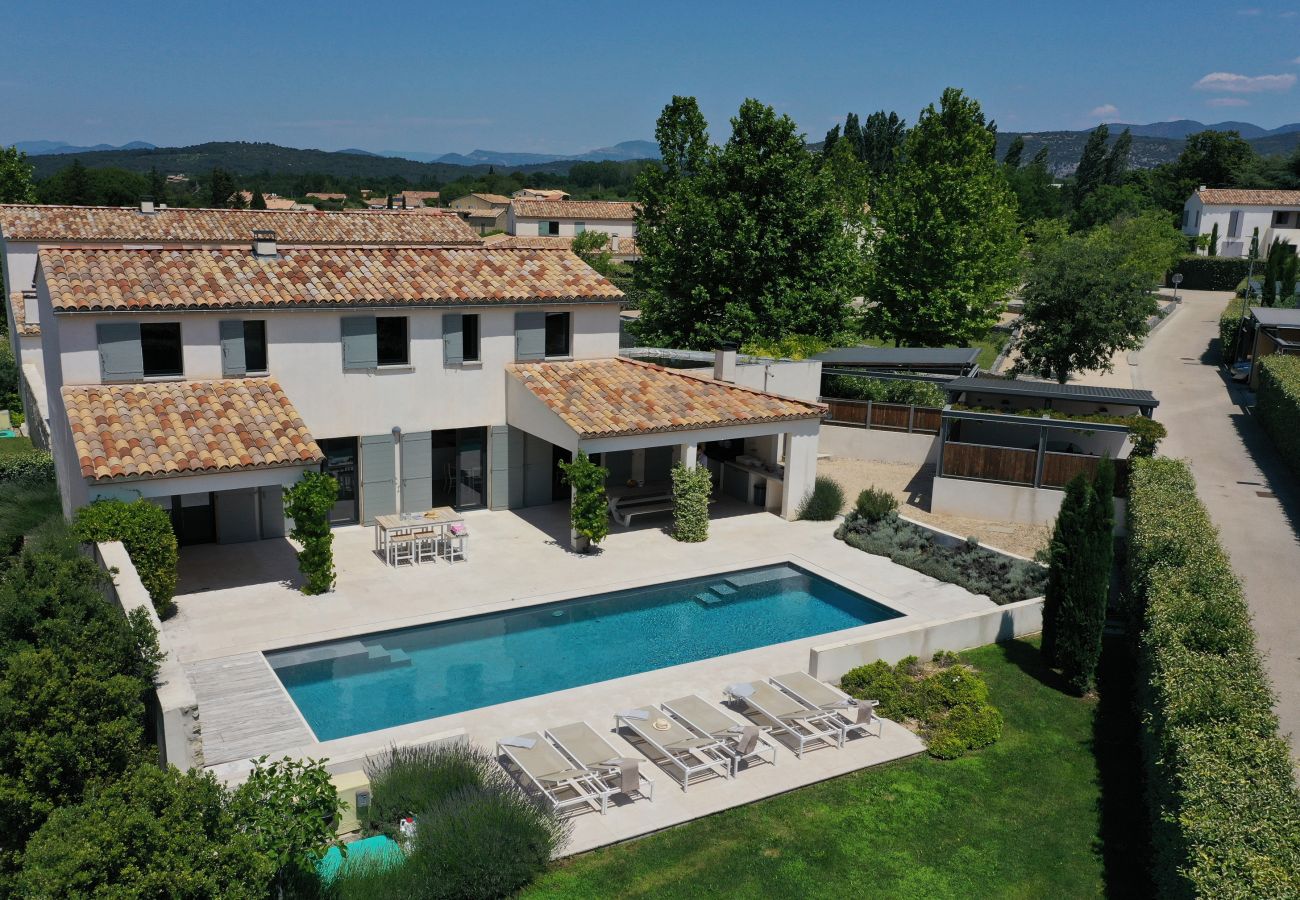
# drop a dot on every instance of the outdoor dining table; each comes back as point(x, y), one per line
point(439, 519)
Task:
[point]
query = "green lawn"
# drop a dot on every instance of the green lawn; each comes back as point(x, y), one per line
point(13, 445)
point(1023, 818)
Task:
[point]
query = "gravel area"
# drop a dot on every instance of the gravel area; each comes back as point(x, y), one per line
point(912, 488)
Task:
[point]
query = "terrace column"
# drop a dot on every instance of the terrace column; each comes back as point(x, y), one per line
point(800, 469)
point(689, 454)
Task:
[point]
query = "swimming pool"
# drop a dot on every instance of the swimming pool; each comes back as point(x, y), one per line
point(389, 678)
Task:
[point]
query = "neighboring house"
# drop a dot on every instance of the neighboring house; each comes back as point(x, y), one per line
point(620, 249)
point(1238, 213)
point(25, 229)
point(540, 194)
point(319, 195)
point(404, 200)
point(1265, 331)
point(273, 201)
point(565, 218)
point(207, 379)
point(483, 212)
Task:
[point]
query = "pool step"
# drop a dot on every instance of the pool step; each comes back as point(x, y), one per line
point(762, 576)
point(716, 595)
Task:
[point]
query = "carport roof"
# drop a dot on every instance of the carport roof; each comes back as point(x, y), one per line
point(1270, 316)
point(613, 397)
point(1019, 387)
point(124, 431)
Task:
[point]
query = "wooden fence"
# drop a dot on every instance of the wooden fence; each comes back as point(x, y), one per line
point(1013, 465)
point(885, 416)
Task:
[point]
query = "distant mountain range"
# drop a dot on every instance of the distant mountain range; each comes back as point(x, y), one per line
point(1181, 128)
point(621, 152)
point(43, 148)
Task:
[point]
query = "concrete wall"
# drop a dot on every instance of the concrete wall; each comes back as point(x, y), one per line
point(880, 446)
point(1003, 502)
point(800, 379)
point(180, 730)
point(829, 662)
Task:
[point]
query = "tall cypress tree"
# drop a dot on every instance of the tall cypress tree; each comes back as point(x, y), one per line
point(1117, 159)
point(1081, 618)
point(1064, 550)
point(853, 133)
point(1015, 152)
point(258, 201)
point(157, 185)
point(1092, 165)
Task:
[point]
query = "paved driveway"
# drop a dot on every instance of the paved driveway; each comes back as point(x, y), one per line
point(1252, 497)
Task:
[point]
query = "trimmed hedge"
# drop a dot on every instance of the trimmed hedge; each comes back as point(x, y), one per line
point(145, 530)
point(1229, 322)
point(1278, 405)
point(1220, 788)
point(1211, 273)
point(31, 467)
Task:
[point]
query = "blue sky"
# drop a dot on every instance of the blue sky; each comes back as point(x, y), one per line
point(560, 77)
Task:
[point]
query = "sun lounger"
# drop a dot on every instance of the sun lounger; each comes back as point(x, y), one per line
point(745, 741)
point(851, 714)
point(561, 783)
point(589, 749)
point(675, 745)
point(788, 716)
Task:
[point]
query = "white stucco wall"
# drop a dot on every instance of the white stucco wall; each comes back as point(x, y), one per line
point(527, 225)
point(996, 502)
point(879, 445)
point(1252, 217)
point(800, 379)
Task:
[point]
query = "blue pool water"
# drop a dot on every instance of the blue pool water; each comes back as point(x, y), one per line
point(389, 678)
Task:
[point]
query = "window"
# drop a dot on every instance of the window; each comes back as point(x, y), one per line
point(1185, 214)
point(579, 227)
point(160, 349)
point(1282, 218)
point(548, 228)
point(557, 334)
point(255, 346)
point(469, 338)
point(1234, 223)
point(391, 345)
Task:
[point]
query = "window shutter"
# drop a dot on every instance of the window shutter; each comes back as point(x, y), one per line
point(530, 336)
point(417, 471)
point(579, 227)
point(120, 355)
point(499, 466)
point(360, 348)
point(1234, 223)
point(453, 339)
point(378, 491)
point(233, 364)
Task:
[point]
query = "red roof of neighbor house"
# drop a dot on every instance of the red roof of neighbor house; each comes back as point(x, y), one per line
point(1248, 197)
point(73, 224)
point(575, 209)
point(84, 280)
point(185, 427)
point(627, 246)
point(18, 303)
point(611, 397)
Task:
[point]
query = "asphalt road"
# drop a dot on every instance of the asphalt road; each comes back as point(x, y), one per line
point(1251, 495)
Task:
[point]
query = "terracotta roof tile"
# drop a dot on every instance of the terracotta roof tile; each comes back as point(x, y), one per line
point(208, 279)
point(627, 246)
point(610, 397)
point(18, 303)
point(68, 224)
point(575, 209)
point(184, 427)
point(1244, 197)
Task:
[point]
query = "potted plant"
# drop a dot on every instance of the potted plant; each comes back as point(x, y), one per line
point(589, 512)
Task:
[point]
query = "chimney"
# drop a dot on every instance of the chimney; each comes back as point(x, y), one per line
point(264, 243)
point(1199, 189)
point(146, 205)
point(724, 363)
point(613, 243)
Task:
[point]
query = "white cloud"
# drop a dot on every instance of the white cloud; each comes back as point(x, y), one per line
point(1232, 83)
point(1106, 109)
point(1227, 101)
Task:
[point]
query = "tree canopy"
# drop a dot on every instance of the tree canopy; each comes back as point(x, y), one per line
point(741, 242)
point(945, 251)
point(15, 177)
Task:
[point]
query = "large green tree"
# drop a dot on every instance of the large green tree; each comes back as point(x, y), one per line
point(1213, 158)
point(742, 242)
point(1037, 195)
point(1091, 172)
point(15, 177)
point(221, 189)
point(946, 249)
point(883, 138)
point(1085, 299)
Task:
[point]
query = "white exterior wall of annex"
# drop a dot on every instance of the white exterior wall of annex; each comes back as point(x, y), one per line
point(526, 226)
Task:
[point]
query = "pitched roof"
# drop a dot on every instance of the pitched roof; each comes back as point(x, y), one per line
point(627, 246)
point(1024, 387)
point(184, 427)
point(493, 198)
point(575, 209)
point(610, 397)
point(70, 224)
point(1245, 197)
point(81, 280)
point(18, 303)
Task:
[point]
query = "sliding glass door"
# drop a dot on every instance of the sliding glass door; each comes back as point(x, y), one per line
point(471, 465)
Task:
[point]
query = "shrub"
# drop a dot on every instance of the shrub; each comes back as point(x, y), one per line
point(875, 503)
point(691, 490)
point(823, 502)
point(1211, 273)
point(1146, 433)
point(24, 508)
point(407, 780)
point(883, 390)
point(881, 682)
point(1230, 327)
point(145, 530)
point(589, 512)
point(32, 468)
point(1278, 405)
point(965, 728)
point(979, 570)
point(950, 688)
point(309, 503)
point(790, 346)
point(1220, 785)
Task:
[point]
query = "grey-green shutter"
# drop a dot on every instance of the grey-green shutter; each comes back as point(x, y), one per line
point(453, 339)
point(377, 489)
point(417, 471)
point(120, 355)
point(233, 364)
point(499, 466)
point(530, 335)
point(360, 347)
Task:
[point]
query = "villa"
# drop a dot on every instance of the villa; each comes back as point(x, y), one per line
point(1240, 213)
point(566, 218)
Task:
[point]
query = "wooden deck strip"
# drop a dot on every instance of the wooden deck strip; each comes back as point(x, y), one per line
point(245, 711)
